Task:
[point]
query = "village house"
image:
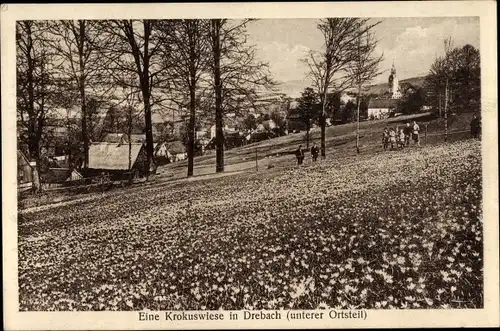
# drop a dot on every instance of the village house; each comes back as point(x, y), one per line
point(59, 177)
point(24, 170)
point(293, 120)
point(113, 158)
point(381, 108)
point(174, 151)
point(122, 138)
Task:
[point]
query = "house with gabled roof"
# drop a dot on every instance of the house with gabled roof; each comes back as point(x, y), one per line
point(24, 170)
point(113, 158)
point(381, 108)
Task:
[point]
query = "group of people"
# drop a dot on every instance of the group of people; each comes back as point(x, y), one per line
point(299, 154)
point(400, 138)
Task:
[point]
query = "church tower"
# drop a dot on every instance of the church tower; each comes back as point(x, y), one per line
point(394, 89)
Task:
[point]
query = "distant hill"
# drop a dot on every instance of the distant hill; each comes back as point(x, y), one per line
point(294, 88)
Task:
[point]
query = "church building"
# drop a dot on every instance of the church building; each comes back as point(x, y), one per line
point(381, 107)
point(394, 89)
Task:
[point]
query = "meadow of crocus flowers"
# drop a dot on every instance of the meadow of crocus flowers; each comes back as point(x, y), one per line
point(390, 230)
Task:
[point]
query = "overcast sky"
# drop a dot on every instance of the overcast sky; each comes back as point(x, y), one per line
point(412, 43)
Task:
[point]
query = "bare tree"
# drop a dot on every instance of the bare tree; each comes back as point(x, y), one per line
point(457, 76)
point(435, 83)
point(215, 31)
point(327, 69)
point(237, 75)
point(363, 68)
point(308, 110)
point(186, 63)
point(136, 49)
point(78, 45)
point(129, 109)
point(447, 49)
point(35, 88)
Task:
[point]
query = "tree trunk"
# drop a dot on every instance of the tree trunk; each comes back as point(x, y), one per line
point(446, 112)
point(322, 123)
point(219, 133)
point(192, 96)
point(439, 104)
point(34, 151)
point(308, 129)
point(146, 92)
point(357, 122)
point(85, 136)
point(33, 141)
point(149, 134)
point(129, 133)
point(192, 114)
point(36, 179)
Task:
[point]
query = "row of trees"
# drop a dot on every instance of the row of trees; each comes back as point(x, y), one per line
point(309, 109)
point(188, 63)
point(454, 80)
point(348, 60)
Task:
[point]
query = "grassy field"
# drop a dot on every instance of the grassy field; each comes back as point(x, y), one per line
point(399, 229)
point(340, 142)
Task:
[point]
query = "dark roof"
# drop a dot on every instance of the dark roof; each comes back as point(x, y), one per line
point(123, 138)
point(115, 138)
point(55, 175)
point(141, 138)
point(382, 103)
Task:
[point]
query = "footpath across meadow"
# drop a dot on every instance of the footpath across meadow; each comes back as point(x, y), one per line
point(387, 230)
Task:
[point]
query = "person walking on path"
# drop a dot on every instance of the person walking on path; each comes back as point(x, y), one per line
point(401, 138)
point(385, 138)
point(407, 131)
point(475, 126)
point(392, 137)
point(314, 152)
point(416, 131)
point(299, 153)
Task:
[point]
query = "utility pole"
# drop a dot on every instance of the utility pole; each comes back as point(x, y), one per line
point(256, 162)
point(357, 121)
point(447, 48)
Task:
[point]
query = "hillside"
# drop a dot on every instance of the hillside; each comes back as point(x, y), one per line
point(277, 153)
point(340, 142)
point(309, 237)
point(294, 88)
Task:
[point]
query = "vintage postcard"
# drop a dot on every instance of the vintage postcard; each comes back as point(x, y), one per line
point(249, 165)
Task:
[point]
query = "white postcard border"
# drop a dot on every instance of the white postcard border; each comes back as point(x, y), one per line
point(489, 316)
